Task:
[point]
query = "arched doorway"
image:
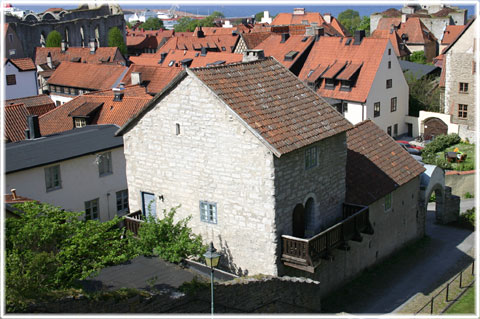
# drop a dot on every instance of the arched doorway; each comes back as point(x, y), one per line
point(436, 202)
point(310, 217)
point(298, 221)
point(433, 127)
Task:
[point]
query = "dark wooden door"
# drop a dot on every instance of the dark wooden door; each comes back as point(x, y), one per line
point(298, 221)
point(434, 127)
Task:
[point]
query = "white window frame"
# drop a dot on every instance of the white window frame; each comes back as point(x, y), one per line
point(122, 202)
point(208, 212)
point(53, 180)
point(89, 206)
point(80, 122)
point(104, 161)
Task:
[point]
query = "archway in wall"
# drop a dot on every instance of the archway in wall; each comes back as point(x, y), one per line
point(298, 221)
point(435, 208)
point(433, 127)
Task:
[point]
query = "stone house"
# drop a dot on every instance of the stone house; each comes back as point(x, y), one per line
point(13, 45)
point(362, 78)
point(265, 168)
point(20, 78)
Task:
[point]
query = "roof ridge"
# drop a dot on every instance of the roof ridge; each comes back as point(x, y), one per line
point(229, 64)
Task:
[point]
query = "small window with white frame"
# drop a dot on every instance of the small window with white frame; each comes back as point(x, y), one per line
point(91, 209)
point(208, 212)
point(104, 161)
point(388, 202)
point(53, 180)
point(80, 122)
point(122, 202)
point(310, 157)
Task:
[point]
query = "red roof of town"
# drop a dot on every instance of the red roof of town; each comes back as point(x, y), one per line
point(451, 33)
point(23, 64)
point(110, 112)
point(290, 18)
point(87, 76)
point(178, 55)
point(333, 51)
point(215, 31)
point(101, 55)
point(15, 122)
point(253, 39)
point(400, 50)
point(154, 77)
point(225, 43)
point(36, 105)
point(417, 32)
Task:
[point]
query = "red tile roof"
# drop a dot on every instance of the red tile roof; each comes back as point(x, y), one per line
point(417, 32)
point(254, 38)
point(177, 55)
point(290, 18)
point(215, 31)
point(24, 64)
point(397, 43)
point(15, 122)
point(111, 112)
point(224, 43)
point(451, 33)
point(274, 103)
point(36, 105)
point(101, 54)
point(376, 164)
point(155, 77)
point(87, 76)
point(272, 46)
point(333, 51)
point(386, 23)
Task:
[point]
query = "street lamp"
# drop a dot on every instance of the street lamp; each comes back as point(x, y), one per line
point(211, 259)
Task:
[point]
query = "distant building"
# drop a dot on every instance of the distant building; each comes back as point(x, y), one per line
point(13, 45)
point(20, 78)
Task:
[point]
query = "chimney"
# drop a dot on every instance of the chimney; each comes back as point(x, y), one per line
point(285, 36)
point(92, 46)
point(200, 33)
point(118, 94)
point(163, 55)
point(319, 32)
point(359, 35)
point(186, 63)
point(253, 55)
point(49, 60)
point(404, 17)
point(136, 78)
point(299, 11)
point(327, 17)
point(14, 193)
point(33, 130)
point(203, 51)
point(64, 46)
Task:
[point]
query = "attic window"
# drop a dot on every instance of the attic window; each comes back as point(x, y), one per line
point(177, 129)
point(105, 59)
point(290, 55)
point(304, 21)
point(346, 85)
point(224, 49)
point(171, 63)
point(310, 73)
point(80, 122)
point(304, 39)
point(348, 41)
point(75, 59)
point(329, 84)
point(197, 54)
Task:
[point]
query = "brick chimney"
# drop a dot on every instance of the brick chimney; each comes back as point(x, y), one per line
point(64, 46)
point(92, 46)
point(253, 55)
point(359, 35)
point(49, 60)
point(200, 33)
point(327, 17)
point(299, 11)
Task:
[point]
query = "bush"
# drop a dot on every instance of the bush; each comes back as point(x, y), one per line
point(169, 240)
point(468, 217)
point(439, 144)
point(54, 39)
point(115, 39)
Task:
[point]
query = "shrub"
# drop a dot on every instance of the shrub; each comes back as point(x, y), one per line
point(115, 39)
point(468, 217)
point(54, 39)
point(439, 144)
point(468, 195)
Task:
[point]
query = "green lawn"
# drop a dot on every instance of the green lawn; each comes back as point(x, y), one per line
point(469, 163)
point(466, 304)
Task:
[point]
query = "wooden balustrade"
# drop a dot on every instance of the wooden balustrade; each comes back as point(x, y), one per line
point(133, 221)
point(306, 254)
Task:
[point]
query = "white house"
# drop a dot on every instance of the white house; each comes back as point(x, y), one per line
point(362, 78)
point(20, 78)
point(79, 170)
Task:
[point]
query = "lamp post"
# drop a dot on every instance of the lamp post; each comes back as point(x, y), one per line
point(211, 259)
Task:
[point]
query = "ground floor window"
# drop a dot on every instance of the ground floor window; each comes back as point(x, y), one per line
point(122, 202)
point(208, 212)
point(91, 209)
point(462, 111)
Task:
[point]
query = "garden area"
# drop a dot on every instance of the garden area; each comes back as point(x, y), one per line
point(435, 153)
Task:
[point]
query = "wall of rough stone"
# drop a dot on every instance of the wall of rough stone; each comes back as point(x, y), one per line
point(437, 25)
point(245, 295)
point(461, 182)
point(215, 158)
point(393, 228)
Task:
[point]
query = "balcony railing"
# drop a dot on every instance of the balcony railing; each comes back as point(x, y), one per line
point(306, 254)
point(133, 221)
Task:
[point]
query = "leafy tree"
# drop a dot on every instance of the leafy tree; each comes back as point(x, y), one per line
point(115, 39)
point(183, 24)
point(152, 24)
point(259, 16)
point(350, 19)
point(424, 94)
point(188, 24)
point(54, 39)
point(418, 57)
point(365, 25)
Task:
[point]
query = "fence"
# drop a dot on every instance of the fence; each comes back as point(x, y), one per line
point(441, 301)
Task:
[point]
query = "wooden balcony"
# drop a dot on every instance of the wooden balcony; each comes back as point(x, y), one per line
point(306, 254)
point(133, 221)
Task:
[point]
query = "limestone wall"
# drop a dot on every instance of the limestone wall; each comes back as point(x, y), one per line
point(461, 182)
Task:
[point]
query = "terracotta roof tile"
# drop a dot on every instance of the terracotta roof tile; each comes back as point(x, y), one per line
point(154, 77)
point(254, 38)
point(400, 49)
point(274, 103)
point(32, 101)
point(102, 53)
point(328, 50)
point(451, 33)
point(111, 112)
point(177, 55)
point(24, 64)
point(15, 122)
point(290, 18)
point(386, 23)
point(215, 31)
point(87, 76)
point(376, 164)
point(195, 43)
point(417, 32)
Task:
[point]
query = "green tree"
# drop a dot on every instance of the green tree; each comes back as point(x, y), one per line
point(259, 16)
point(365, 25)
point(183, 24)
point(54, 39)
point(115, 39)
point(424, 94)
point(152, 24)
point(188, 24)
point(418, 57)
point(350, 19)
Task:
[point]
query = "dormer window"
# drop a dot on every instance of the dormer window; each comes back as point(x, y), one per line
point(291, 55)
point(329, 84)
point(80, 122)
point(346, 85)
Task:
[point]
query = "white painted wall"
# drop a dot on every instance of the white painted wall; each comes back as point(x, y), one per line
point(26, 82)
point(62, 98)
point(379, 93)
point(452, 128)
point(80, 183)
point(355, 112)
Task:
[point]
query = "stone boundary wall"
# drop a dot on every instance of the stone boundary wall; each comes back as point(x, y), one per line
point(267, 294)
point(461, 182)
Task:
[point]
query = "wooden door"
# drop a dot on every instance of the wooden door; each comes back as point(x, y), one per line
point(298, 221)
point(434, 127)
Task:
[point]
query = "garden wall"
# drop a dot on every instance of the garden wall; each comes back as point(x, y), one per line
point(461, 182)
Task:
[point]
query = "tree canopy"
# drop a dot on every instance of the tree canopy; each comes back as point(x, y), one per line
point(259, 16)
point(115, 39)
point(186, 24)
point(424, 94)
point(152, 24)
point(54, 39)
point(418, 57)
point(351, 20)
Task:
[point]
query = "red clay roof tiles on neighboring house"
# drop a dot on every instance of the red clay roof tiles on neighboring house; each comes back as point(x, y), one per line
point(24, 64)
point(333, 51)
point(215, 31)
point(400, 49)
point(87, 76)
point(386, 23)
point(376, 164)
point(451, 32)
point(290, 18)
point(417, 32)
point(254, 38)
point(15, 122)
point(198, 60)
point(224, 43)
point(102, 54)
point(36, 105)
point(154, 77)
point(110, 112)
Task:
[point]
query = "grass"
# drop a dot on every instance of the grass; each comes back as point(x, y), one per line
point(465, 305)
point(469, 163)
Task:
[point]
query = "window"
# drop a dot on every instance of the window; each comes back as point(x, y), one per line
point(208, 212)
point(463, 87)
point(462, 111)
point(80, 122)
point(393, 104)
point(395, 129)
point(389, 64)
point(389, 130)
point(329, 84)
point(91, 209)
point(57, 103)
point(104, 161)
point(11, 80)
point(122, 202)
point(376, 109)
point(310, 157)
point(52, 178)
point(389, 51)
point(10, 37)
point(345, 85)
point(474, 66)
point(389, 83)
point(177, 129)
point(388, 202)
point(12, 52)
